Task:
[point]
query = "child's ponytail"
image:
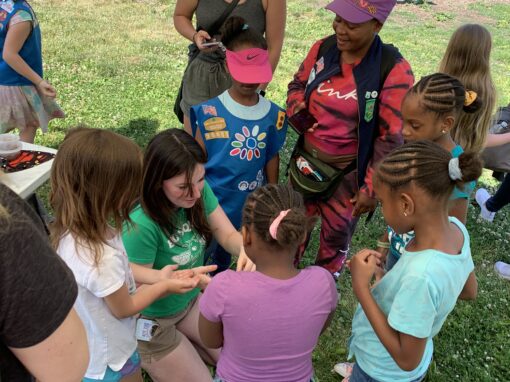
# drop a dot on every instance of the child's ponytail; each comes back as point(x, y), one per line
point(277, 214)
point(430, 167)
point(236, 33)
point(465, 168)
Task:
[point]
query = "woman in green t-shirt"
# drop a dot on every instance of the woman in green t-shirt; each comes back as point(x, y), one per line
point(177, 216)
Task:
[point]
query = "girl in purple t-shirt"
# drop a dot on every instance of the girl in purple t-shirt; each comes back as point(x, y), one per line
point(268, 321)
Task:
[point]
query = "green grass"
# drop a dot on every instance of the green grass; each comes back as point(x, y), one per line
point(117, 65)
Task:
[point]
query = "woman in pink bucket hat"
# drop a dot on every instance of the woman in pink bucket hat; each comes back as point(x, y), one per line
point(352, 84)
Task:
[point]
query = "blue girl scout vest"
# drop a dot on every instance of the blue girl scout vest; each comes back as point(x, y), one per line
point(238, 151)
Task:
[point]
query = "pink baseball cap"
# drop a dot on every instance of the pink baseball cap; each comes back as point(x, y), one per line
point(361, 11)
point(250, 66)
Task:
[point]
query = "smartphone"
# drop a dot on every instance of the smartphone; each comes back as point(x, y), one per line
point(302, 121)
point(211, 43)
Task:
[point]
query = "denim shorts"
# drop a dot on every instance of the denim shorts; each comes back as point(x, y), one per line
point(358, 375)
point(131, 365)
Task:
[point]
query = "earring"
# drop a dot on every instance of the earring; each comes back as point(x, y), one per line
point(405, 214)
point(443, 131)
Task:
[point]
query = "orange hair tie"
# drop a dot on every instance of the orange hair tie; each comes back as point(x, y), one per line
point(470, 97)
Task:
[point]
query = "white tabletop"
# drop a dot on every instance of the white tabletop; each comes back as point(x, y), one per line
point(25, 182)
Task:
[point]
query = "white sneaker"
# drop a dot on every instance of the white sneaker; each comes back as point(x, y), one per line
point(344, 369)
point(481, 196)
point(502, 269)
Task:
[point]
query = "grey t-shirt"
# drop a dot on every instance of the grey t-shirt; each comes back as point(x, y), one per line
point(252, 11)
point(37, 290)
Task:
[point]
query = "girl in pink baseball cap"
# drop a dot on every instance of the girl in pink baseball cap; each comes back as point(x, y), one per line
point(241, 131)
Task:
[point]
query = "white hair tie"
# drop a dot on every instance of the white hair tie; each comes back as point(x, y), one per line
point(454, 169)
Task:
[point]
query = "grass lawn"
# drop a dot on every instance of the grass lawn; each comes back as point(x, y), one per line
point(117, 64)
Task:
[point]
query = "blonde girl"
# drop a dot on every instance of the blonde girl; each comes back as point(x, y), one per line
point(467, 58)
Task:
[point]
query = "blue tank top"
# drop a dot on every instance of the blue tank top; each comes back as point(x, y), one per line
point(238, 150)
point(31, 49)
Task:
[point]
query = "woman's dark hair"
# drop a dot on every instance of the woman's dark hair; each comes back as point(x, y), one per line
point(264, 205)
point(236, 33)
point(428, 166)
point(443, 94)
point(171, 153)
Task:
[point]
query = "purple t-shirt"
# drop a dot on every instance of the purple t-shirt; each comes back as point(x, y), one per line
point(270, 326)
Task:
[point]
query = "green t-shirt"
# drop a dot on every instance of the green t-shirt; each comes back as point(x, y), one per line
point(146, 243)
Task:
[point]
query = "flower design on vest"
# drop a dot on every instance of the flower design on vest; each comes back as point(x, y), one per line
point(248, 144)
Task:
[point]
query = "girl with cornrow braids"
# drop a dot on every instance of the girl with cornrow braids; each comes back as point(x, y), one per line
point(429, 111)
point(268, 322)
point(397, 318)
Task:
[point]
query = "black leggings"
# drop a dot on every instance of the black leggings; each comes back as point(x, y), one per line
point(501, 198)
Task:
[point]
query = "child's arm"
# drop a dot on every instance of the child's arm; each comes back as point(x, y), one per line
point(16, 37)
point(124, 305)
point(497, 139)
point(406, 350)
point(272, 169)
point(229, 238)
point(470, 290)
point(211, 333)
point(383, 245)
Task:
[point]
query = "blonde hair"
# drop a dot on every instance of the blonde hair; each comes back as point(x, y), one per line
point(95, 181)
point(467, 57)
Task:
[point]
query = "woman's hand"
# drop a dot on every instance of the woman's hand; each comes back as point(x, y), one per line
point(300, 107)
point(244, 263)
point(363, 267)
point(362, 203)
point(46, 89)
point(200, 37)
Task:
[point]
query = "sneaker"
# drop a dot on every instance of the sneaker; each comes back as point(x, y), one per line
point(344, 369)
point(481, 196)
point(502, 269)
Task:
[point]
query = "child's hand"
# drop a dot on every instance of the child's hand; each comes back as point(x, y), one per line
point(363, 266)
point(46, 89)
point(383, 252)
point(180, 286)
point(203, 280)
point(244, 263)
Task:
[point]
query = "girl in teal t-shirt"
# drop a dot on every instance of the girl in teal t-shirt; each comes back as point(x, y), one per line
point(429, 111)
point(397, 318)
point(178, 214)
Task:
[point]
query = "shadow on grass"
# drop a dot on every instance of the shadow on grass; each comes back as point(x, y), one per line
point(141, 130)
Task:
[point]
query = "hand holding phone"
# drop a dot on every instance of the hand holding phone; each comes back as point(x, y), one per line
point(210, 44)
point(302, 121)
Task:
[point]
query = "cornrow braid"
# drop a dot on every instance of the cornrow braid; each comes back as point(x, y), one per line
point(427, 165)
point(266, 203)
point(443, 94)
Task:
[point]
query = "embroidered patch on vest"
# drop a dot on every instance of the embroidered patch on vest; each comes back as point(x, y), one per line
point(217, 135)
point(280, 120)
point(215, 124)
point(209, 109)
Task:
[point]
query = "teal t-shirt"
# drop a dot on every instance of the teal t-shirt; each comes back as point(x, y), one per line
point(468, 187)
point(146, 243)
point(416, 297)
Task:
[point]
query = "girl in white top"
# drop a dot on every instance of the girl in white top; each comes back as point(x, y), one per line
point(95, 181)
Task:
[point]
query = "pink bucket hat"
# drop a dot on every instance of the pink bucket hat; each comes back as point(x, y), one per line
point(360, 11)
point(250, 66)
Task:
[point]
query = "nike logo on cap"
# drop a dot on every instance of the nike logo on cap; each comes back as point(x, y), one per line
point(250, 57)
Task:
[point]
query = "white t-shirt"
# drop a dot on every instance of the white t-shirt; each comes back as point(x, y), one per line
point(111, 341)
